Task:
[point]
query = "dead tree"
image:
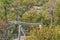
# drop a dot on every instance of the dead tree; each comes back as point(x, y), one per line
point(50, 10)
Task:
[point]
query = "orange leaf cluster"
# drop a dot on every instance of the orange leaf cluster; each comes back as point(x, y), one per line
point(3, 24)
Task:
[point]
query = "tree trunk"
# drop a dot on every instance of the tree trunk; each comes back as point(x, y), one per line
point(5, 13)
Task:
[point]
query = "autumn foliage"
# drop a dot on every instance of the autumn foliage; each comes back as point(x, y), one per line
point(43, 34)
point(3, 24)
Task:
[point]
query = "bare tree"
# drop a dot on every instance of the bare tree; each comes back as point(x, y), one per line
point(50, 9)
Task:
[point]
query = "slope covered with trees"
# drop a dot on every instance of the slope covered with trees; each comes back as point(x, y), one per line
point(46, 12)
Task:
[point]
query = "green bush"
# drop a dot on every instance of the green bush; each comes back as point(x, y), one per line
point(43, 34)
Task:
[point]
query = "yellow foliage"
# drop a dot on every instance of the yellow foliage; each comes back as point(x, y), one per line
point(43, 34)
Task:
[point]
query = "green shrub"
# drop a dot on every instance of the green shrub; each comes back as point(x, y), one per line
point(43, 34)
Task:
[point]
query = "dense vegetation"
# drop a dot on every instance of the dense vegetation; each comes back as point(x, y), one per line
point(46, 12)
